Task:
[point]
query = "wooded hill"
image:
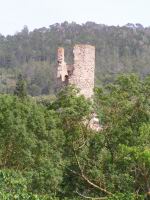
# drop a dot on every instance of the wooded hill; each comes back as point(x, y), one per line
point(33, 53)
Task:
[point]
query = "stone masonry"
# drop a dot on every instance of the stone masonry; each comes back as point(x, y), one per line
point(81, 72)
point(62, 71)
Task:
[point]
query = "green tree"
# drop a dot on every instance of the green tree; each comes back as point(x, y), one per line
point(21, 90)
point(31, 141)
point(47, 150)
point(112, 164)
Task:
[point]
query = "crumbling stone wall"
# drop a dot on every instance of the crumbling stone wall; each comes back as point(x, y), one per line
point(62, 71)
point(81, 73)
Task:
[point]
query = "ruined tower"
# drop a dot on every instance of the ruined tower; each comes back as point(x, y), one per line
point(81, 72)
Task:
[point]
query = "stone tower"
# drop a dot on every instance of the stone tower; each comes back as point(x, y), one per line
point(81, 72)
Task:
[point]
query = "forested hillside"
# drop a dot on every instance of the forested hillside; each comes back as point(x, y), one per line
point(118, 49)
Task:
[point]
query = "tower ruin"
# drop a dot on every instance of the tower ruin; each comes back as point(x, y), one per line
point(81, 72)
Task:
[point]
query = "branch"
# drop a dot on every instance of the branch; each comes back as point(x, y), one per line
point(87, 180)
point(93, 198)
point(80, 147)
point(96, 186)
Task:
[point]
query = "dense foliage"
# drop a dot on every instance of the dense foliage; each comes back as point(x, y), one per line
point(118, 49)
point(47, 152)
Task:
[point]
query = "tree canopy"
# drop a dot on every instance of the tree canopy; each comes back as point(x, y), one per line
point(47, 152)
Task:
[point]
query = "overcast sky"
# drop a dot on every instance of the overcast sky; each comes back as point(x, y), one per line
point(14, 14)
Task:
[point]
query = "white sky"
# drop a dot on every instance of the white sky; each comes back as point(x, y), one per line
point(14, 14)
